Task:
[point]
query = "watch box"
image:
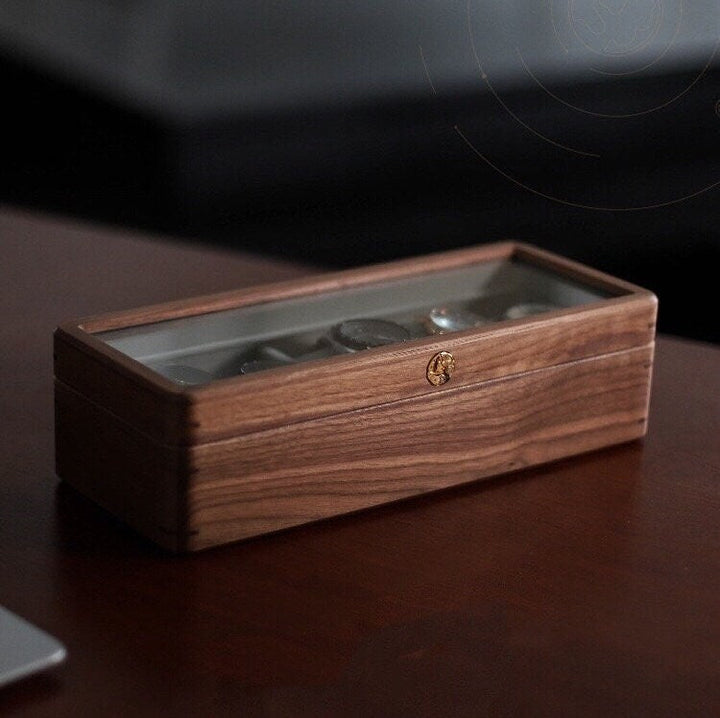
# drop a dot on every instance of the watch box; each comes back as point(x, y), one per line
point(218, 418)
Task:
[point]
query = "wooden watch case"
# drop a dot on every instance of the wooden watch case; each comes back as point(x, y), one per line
point(279, 416)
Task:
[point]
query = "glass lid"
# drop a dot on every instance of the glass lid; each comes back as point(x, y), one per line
point(246, 340)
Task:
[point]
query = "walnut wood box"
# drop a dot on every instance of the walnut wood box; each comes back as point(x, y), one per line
point(219, 418)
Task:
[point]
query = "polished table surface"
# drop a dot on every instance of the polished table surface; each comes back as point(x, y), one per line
point(587, 587)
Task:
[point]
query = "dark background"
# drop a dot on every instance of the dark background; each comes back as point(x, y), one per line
point(616, 169)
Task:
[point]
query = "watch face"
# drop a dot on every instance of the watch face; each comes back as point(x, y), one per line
point(357, 334)
point(452, 319)
point(518, 311)
point(270, 356)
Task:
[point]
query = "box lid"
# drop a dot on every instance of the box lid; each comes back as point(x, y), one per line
point(212, 368)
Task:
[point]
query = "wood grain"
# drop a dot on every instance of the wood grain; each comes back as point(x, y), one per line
point(311, 470)
point(189, 498)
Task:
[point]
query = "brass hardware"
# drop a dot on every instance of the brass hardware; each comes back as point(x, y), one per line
point(440, 368)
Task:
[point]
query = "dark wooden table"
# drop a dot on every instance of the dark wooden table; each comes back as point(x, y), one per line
point(590, 587)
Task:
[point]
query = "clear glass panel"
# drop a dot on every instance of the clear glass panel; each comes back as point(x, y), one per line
point(199, 349)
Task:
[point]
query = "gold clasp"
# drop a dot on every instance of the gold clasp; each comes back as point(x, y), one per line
point(440, 368)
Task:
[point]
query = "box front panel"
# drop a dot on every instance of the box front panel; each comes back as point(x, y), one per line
point(311, 470)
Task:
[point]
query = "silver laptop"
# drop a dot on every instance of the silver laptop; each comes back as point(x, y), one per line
point(25, 649)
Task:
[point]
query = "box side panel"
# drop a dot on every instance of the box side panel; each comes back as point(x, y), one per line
point(156, 411)
point(311, 470)
point(120, 469)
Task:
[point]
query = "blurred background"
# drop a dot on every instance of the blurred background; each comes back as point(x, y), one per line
point(342, 133)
